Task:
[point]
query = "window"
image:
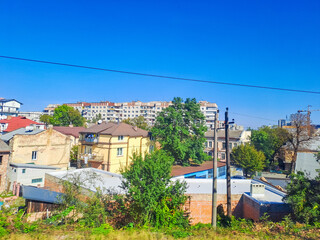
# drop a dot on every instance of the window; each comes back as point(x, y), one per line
point(224, 145)
point(34, 155)
point(120, 138)
point(1, 160)
point(23, 170)
point(119, 151)
point(36, 180)
point(223, 156)
point(210, 144)
point(235, 145)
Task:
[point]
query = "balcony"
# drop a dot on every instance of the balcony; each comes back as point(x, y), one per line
point(91, 157)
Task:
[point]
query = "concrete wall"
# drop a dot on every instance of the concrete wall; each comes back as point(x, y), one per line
point(3, 171)
point(307, 162)
point(53, 149)
point(16, 174)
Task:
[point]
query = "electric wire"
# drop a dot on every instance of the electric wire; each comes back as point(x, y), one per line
point(161, 76)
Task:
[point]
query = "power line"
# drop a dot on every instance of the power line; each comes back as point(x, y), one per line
point(161, 76)
point(249, 116)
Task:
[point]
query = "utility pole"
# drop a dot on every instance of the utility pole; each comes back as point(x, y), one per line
point(214, 172)
point(229, 213)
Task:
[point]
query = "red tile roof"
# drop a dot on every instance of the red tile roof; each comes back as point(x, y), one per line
point(73, 131)
point(15, 123)
point(179, 170)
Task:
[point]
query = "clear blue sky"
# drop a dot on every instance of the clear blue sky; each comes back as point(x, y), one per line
point(274, 43)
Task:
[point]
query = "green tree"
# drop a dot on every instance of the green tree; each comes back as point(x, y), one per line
point(247, 157)
point(152, 198)
point(180, 130)
point(45, 119)
point(303, 195)
point(74, 153)
point(97, 118)
point(65, 115)
point(140, 122)
point(269, 141)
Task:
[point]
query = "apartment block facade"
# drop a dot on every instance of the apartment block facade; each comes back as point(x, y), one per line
point(114, 112)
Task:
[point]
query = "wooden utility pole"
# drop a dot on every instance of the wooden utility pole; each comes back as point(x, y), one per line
point(214, 172)
point(229, 213)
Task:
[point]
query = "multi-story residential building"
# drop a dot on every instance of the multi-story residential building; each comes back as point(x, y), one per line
point(114, 112)
point(9, 107)
point(110, 146)
point(34, 116)
point(49, 110)
point(236, 137)
point(13, 123)
point(41, 147)
point(4, 162)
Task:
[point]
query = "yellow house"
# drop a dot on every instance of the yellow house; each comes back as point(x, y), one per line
point(41, 147)
point(110, 146)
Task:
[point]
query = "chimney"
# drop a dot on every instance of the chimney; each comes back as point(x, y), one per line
point(257, 190)
point(135, 128)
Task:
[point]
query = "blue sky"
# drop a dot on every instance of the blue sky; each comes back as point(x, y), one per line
point(271, 43)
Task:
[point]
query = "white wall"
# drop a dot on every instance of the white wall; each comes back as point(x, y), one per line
point(15, 174)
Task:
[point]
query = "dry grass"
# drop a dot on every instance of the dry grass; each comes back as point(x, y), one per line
point(148, 235)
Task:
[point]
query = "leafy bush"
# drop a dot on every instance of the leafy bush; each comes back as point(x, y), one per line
point(152, 199)
point(304, 197)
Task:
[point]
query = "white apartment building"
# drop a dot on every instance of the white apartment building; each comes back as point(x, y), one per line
point(111, 111)
point(9, 107)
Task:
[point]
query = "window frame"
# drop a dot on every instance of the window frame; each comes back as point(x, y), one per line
point(34, 155)
point(119, 152)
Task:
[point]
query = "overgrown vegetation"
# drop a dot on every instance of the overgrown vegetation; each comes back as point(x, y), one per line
point(304, 198)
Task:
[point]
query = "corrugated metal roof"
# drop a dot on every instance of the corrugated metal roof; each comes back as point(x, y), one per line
point(26, 165)
point(41, 195)
point(180, 170)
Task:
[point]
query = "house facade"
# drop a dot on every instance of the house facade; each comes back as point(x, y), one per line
point(9, 107)
point(28, 174)
point(236, 138)
point(110, 146)
point(41, 147)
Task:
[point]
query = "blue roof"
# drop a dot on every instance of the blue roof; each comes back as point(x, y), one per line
point(41, 195)
point(9, 100)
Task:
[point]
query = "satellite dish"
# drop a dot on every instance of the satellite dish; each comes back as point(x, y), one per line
point(100, 121)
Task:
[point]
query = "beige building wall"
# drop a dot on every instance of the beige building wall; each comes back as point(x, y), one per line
point(104, 154)
point(52, 148)
point(3, 170)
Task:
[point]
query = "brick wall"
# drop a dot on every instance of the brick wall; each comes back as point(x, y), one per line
point(200, 206)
